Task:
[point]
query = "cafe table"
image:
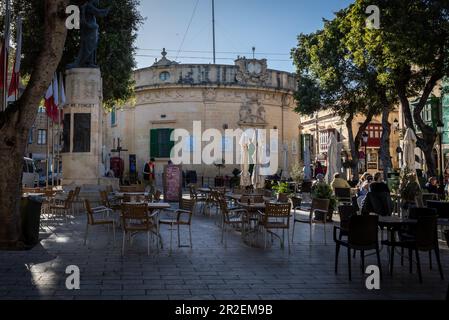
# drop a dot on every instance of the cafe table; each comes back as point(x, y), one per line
point(393, 224)
point(122, 194)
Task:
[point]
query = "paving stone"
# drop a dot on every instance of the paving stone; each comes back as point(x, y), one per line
point(207, 272)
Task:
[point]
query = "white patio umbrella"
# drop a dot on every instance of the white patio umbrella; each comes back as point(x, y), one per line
point(257, 178)
point(332, 150)
point(307, 162)
point(339, 149)
point(285, 165)
point(245, 179)
point(409, 149)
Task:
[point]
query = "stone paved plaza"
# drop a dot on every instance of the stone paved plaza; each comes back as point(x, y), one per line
point(209, 271)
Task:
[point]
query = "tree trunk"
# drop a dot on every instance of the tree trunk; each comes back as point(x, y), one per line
point(427, 141)
point(17, 120)
point(354, 142)
point(385, 156)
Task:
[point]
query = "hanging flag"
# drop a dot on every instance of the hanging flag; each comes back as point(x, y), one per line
point(51, 98)
point(15, 77)
point(5, 50)
point(62, 97)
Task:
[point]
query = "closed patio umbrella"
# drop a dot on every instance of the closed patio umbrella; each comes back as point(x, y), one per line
point(245, 178)
point(409, 149)
point(307, 163)
point(259, 159)
point(332, 150)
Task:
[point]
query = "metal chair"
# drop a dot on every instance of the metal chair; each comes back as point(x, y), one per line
point(276, 216)
point(93, 221)
point(135, 219)
point(343, 195)
point(320, 206)
point(185, 210)
point(231, 217)
point(362, 236)
point(424, 239)
point(64, 208)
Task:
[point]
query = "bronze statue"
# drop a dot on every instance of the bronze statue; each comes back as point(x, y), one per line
point(89, 35)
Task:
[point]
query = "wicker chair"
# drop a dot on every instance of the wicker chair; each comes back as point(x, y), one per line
point(318, 206)
point(199, 198)
point(232, 218)
point(93, 221)
point(276, 216)
point(63, 209)
point(183, 218)
point(77, 203)
point(135, 219)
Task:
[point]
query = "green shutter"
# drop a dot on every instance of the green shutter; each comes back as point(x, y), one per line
point(170, 142)
point(301, 146)
point(435, 107)
point(154, 146)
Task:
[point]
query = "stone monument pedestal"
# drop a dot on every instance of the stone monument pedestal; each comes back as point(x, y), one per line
point(82, 159)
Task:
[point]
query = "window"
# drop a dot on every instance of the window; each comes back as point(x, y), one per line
point(160, 143)
point(81, 132)
point(41, 137)
point(164, 76)
point(113, 117)
point(375, 134)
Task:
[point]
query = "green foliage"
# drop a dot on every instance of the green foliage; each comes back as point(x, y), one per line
point(322, 190)
point(281, 187)
point(115, 55)
point(297, 172)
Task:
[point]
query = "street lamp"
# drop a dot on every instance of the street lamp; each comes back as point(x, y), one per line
point(440, 130)
point(365, 137)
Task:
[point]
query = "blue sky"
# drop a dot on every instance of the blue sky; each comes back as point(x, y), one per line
point(269, 25)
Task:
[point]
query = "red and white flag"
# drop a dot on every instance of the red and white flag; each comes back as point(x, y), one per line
point(52, 100)
point(15, 77)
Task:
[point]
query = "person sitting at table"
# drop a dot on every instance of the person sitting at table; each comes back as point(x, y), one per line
point(379, 185)
point(409, 191)
point(432, 185)
point(339, 182)
point(378, 200)
point(362, 180)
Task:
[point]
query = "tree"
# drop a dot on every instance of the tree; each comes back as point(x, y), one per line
point(410, 52)
point(18, 118)
point(116, 49)
point(46, 50)
point(329, 79)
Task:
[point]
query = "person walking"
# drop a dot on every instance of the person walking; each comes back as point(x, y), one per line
point(149, 176)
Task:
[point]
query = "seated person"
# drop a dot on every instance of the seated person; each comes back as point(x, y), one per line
point(378, 200)
point(432, 185)
point(379, 185)
point(339, 182)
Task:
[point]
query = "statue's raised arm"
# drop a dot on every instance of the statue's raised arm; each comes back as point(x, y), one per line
point(89, 35)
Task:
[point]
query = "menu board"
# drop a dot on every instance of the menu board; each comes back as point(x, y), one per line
point(172, 183)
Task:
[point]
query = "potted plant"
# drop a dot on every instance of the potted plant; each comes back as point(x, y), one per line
point(297, 173)
point(281, 188)
point(324, 191)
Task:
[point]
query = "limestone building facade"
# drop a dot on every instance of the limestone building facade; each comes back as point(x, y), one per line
point(170, 95)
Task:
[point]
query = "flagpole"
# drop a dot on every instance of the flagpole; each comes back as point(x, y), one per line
point(48, 151)
point(5, 61)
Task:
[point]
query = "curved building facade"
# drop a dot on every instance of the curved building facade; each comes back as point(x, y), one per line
point(172, 96)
